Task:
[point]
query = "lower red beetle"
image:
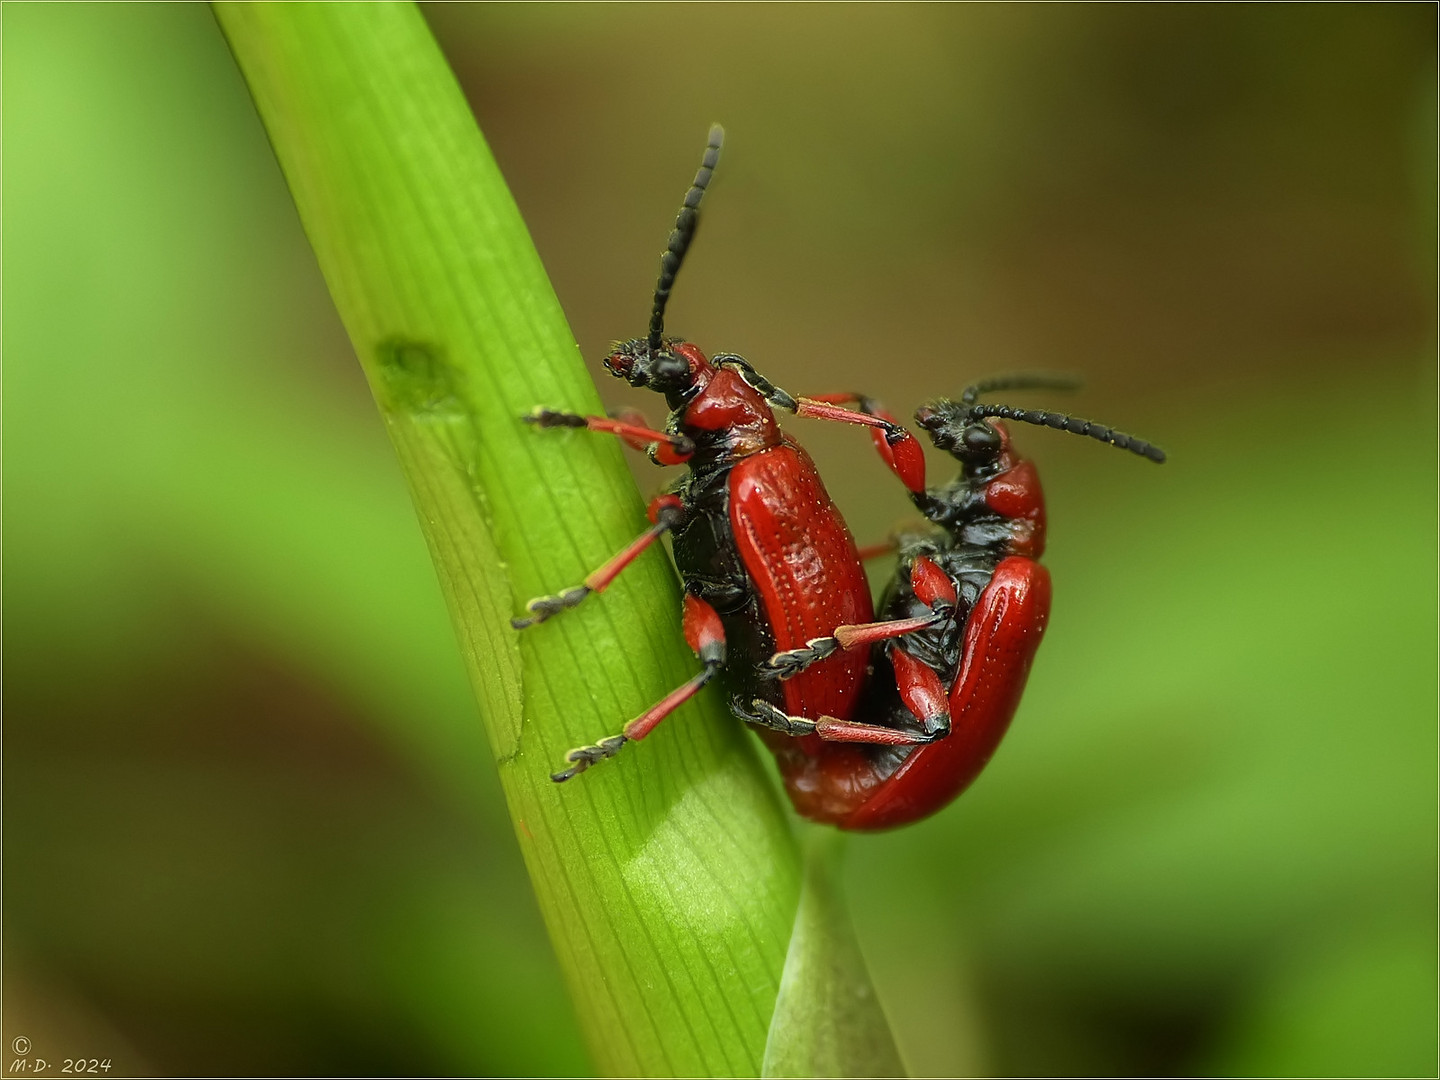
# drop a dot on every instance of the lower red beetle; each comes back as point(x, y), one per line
point(983, 598)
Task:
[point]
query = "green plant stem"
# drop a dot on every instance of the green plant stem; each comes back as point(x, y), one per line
point(668, 878)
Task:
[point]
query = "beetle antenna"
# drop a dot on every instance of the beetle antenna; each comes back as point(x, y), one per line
point(1018, 382)
point(1072, 424)
point(684, 232)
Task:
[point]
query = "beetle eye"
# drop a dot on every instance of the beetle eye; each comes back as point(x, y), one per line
point(980, 441)
point(670, 369)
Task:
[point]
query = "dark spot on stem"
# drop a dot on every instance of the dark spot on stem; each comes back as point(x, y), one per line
point(415, 377)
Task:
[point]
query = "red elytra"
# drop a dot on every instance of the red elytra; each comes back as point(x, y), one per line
point(802, 560)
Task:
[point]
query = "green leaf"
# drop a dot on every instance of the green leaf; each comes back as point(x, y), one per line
point(668, 878)
point(827, 1020)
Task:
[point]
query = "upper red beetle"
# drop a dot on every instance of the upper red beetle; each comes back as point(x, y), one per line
point(767, 561)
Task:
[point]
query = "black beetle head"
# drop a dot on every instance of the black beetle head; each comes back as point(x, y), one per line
point(952, 428)
point(666, 369)
point(963, 430)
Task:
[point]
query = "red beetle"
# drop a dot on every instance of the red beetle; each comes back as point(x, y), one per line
point(767, 561)
point(987, 600)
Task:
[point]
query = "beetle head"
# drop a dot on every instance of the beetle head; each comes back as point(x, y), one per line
point(973, 441)
point(963, 430)
point(670, 369)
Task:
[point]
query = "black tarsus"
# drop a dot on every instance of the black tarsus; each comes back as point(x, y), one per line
point(543, 417)
point(583, 757)
point(680, 237)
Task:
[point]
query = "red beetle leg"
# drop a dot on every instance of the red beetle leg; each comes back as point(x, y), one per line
point(706, 636)
point(863, 402)
point(931, 585)
point(791, 662)
point(875, 551)
point(664, 453)
point(900, 450)
point(827, 728)
point(922, 691)
point(634, 422)
point(821, 409)
point(873, 734)
point(666, 511)
point(664, 448)
point(854, 637)
point(673, 450)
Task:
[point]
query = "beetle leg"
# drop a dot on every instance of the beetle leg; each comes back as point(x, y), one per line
point(875, 551)
point(867, 411)
point(828, 728)
point(763, 714)
point(874, 734)
point(663, 447)
point(923, 693)
point(900, 450)
point(931, 585)
point(863, 402)
point(706, 636)
point(666, 511)
point(668, 450)
point(785, 665)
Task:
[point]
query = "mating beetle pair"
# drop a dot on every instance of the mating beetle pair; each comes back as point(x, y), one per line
point(775, 594)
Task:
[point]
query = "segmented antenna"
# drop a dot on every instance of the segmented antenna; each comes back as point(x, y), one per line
point(1018, 382)
point(682, 234)
point(1072, 424)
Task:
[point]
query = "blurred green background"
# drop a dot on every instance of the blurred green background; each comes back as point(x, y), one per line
point(250, 821)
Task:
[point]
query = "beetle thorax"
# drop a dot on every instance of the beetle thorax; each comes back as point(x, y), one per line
point(726, 406)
